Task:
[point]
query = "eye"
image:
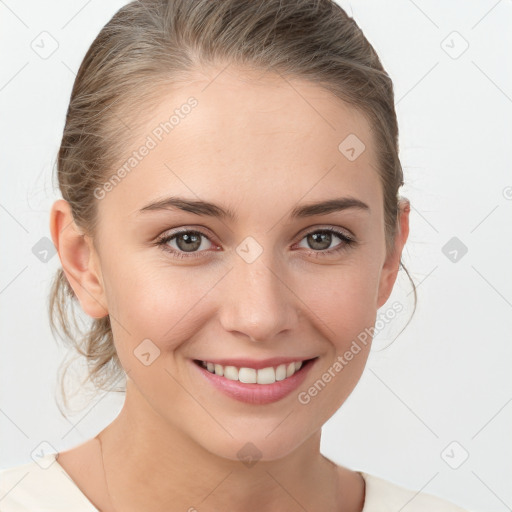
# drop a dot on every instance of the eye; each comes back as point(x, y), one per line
point(321, 239)
point(189, 243)
point(186, 241)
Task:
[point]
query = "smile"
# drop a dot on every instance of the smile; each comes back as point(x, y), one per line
point(257, 386)
point(267, 375)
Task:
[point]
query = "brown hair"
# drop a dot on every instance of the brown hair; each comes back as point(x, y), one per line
point(149, 44)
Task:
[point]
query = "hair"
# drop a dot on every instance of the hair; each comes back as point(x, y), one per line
point(149, 45)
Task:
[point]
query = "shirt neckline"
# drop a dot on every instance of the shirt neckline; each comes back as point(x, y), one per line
point(72, 484)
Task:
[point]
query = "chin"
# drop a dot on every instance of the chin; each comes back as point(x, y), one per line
point(252, 445)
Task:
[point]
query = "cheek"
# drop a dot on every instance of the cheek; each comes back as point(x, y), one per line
point(342, 298)
point(342, 308)
point(158, 302)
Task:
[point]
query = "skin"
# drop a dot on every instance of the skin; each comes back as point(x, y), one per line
point(260, 145)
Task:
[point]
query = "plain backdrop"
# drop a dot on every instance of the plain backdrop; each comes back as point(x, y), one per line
point(433, 410)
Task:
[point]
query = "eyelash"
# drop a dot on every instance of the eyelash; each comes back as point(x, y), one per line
point(347, 242)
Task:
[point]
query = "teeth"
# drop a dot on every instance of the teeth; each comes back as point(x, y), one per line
point(267, 375)
point(231, 372)
point(247, 375)
point(281, 372)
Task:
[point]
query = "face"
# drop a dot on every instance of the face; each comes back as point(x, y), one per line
point(268, 283)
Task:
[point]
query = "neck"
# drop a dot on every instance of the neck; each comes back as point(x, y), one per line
point(151, 465)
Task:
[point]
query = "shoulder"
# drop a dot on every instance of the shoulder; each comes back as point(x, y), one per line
point(383, 496)
point(40, 486)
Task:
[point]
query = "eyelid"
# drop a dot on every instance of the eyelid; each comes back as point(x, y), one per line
point(320, 227)
point(204, 231)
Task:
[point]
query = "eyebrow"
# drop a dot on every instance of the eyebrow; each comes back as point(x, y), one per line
point(206, 208)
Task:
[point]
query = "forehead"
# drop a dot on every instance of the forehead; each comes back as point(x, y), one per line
point(245, 138)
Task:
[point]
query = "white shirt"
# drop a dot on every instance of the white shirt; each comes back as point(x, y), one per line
point(44, 486)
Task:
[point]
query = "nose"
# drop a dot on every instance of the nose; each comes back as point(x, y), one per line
point(256, 301)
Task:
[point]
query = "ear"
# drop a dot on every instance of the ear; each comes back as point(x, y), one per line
point(390, 268)
point(79, 260)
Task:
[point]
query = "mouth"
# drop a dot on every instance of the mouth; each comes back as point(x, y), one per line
point(252, 375)
point(261, 385)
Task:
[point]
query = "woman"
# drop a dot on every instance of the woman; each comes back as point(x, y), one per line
point(231, 221)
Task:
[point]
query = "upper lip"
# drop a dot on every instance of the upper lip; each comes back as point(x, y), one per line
point(256, 363)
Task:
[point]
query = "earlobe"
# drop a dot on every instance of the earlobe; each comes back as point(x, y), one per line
point(76, 255)
point(392, 264)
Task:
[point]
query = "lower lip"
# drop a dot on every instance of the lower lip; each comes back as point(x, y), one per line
point(257, 394)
